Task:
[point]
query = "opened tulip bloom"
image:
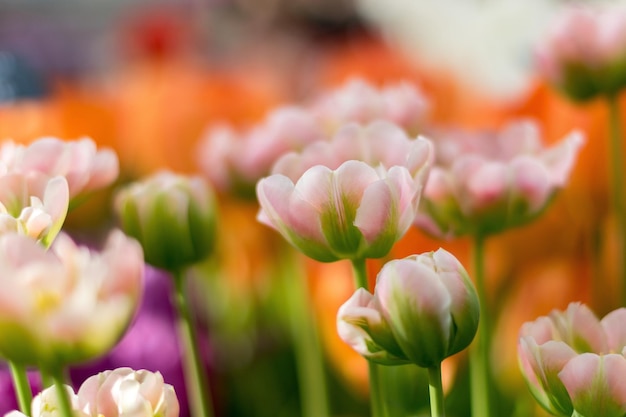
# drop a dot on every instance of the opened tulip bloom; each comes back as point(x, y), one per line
point(235, 161)
point(359, 101)
point(574, 362)
point(33, 205)
point(85, 167)
point(173, 216)
point(67, 304)
point(380, 144)
point(584, 52)
point(117, 393)
point(486, 182)
point(423, 310)
point(353, 212)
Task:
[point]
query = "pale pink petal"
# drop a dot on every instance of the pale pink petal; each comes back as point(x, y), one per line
point(614, 325)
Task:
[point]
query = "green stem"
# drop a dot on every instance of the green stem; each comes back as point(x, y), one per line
point(435, 388)
point(22, 387)
point(198, 394)
point(377, 404)
point(616, 153)
point(307, 347)
point(479, 350)
point(65, 404)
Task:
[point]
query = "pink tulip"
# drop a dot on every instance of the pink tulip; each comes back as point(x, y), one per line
point(33, 205)
point(596, 385)
point(236, 161)
point(361, 102)
point(573, 361)
point(424, 309)
point(125, 392)
point(353, 212)
point(584, 52)
point(379, 144)
point(118, 393)
point(84, 166)
point(67, 304)
point(485, 182)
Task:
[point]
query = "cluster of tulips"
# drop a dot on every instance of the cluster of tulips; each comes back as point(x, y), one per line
point(341, 178)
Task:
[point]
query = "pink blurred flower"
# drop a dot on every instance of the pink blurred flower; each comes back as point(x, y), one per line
point(124, 392)
point(359, 101)
point(34, 205)
point(424, 309)
point(116, 393)
point(380, 144)
point(235, 161)
point(67, 304)
point(353, 212)
point(485, 182)
point(573, 361)
point(584, 53)
point(85, 167)
point(172, 215)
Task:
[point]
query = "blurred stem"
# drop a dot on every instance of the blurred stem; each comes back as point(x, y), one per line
point(65, 405)
point(198, 394)
point(22, 387)
point(435, 387)
point(377, 405)
point(305, 337)
point(616, 153)
point(479, 349)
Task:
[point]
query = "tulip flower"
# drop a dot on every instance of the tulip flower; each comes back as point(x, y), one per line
point(66, 304)
point(584, 52)
point(116, 393)
point(358, 101)
point(574, 362)
point(85, 167)
point(379, 144)
point(424, 309)
point(173, 217)
point(484, 183)
point(236, 161)
point(33, 205)
point(123, 392)
point(353, 212)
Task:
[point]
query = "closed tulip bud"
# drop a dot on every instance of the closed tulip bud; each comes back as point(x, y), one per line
point(173, 217)
point(424, 309)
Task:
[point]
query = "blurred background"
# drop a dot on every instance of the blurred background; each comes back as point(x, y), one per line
point(148, 78)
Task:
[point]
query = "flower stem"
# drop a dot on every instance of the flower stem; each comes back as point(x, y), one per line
point(479, 349)
point(65, 405)
point(377, 405)
point(22, 387)
point(198, 394)
point(616, 153)
point(309, 358)
point(435, 389)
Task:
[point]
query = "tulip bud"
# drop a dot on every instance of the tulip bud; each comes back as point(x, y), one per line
point(424, 309)
point(173, 217)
